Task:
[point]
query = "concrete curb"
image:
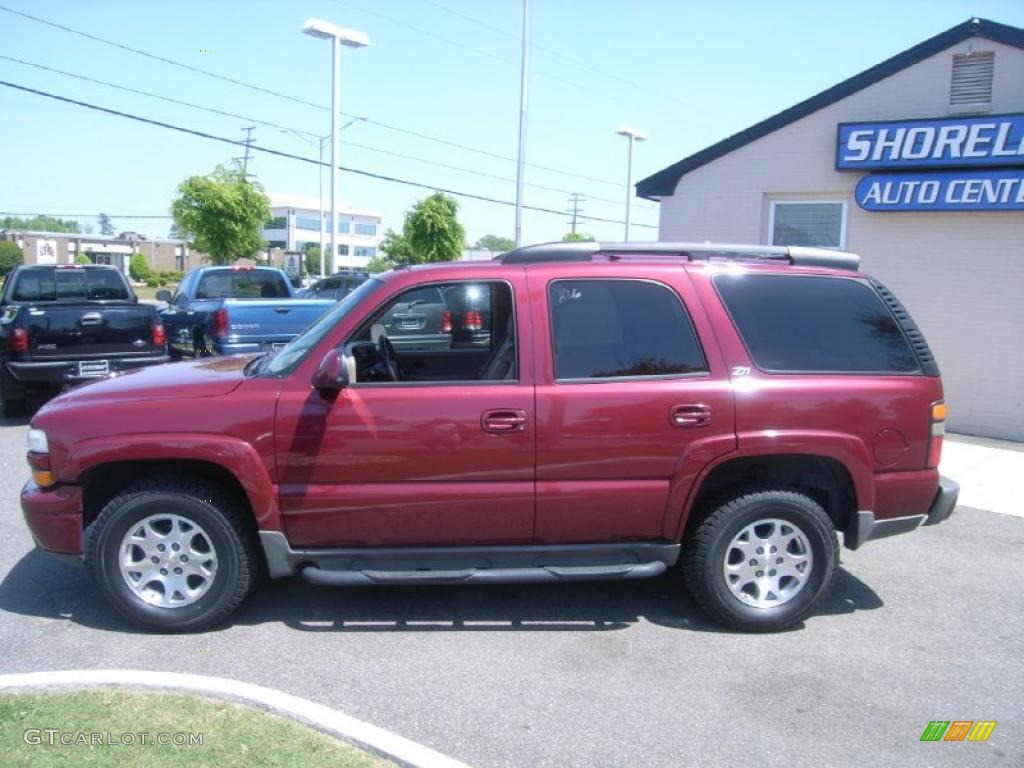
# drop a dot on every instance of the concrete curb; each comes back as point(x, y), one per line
point(322, 718)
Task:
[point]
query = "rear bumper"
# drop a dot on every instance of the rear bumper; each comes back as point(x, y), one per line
point(249, 347)
point(54, 518)
point(865, 527)
point(66, 371)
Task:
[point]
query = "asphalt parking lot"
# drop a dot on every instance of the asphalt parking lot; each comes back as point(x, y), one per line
point(922, 627)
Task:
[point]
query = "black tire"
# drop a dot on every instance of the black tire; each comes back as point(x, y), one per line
point(230, 535)
point(710, 542)
point(12, 393)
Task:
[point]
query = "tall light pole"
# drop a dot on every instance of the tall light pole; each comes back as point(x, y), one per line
point(632, 135)
point(353, 39)
point(524, 72)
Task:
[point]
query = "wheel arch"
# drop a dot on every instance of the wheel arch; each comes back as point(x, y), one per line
point(823, 478)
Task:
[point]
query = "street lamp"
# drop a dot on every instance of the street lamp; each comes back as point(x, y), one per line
point(633, 134)
point(353, 39)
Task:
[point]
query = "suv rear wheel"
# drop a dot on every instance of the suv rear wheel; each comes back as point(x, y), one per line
point(762, 560)
point(172, 555)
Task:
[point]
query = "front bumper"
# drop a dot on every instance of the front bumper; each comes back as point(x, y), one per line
point(865, 527)
point(54, 517)
point(66, 371)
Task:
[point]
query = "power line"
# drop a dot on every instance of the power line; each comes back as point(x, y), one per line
point(251, 119)
point(278, 94)
point(288, 155)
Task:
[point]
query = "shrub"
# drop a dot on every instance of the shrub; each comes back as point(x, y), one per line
point(152, 282)
point(10, 256)
point(139, 268)
point(82, 259)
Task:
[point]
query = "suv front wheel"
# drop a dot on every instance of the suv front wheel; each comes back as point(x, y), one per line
point(172, 554)
point(761, 560)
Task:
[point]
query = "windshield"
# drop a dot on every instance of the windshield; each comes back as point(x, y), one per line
point(52, 284)
point(296, 350)
point(242, 284)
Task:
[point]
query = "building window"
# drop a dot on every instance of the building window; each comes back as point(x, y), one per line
point(343, 250)
point(971, 85)
point(819, 224)
point(366, 229)
point(277, 244)
point(278, 222)
point(305, 222)
point(365, 251)
point(342, 226)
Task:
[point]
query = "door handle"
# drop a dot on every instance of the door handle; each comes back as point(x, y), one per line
point(695, 415)
point(500, 422)
point(91, 318)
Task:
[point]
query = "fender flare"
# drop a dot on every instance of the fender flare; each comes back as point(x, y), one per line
point(695, 467)
point(230, 453)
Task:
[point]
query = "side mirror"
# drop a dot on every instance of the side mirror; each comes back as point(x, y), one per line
point(163, 295)
point(332, 373)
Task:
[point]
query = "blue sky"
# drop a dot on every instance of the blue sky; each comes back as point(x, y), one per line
point(689, 73)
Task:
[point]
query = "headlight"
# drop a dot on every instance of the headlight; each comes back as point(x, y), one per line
point(37, 442)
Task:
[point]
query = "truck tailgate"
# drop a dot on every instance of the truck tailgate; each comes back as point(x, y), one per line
point(272, 319)
point(115, 329)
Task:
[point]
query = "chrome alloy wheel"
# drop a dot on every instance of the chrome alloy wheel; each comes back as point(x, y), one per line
point(768, 563)
point(168, 560)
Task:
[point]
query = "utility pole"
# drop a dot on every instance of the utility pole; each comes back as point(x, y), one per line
point(523, 91)
point(248, 150)
point(574, 200)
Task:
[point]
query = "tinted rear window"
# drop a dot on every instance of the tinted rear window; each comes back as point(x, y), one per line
point(242, 284)
point(794, 323)
point(50, 284)
point(614, 328)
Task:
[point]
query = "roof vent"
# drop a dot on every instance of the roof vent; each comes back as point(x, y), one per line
point(971, 86)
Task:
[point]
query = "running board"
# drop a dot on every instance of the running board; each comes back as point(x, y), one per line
point(536, 575)
point(517, 563)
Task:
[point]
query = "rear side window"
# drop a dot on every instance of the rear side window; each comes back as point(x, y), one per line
point(793, 323)
point(615, 328)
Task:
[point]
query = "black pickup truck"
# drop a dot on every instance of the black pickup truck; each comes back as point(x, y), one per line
point(65, 324)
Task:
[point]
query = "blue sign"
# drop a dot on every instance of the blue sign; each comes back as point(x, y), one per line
point(988, 140)
point(948, 191)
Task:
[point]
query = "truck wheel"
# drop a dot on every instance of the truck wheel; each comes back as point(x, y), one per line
point(762, 560)
point(12, 393)
point(173, 555)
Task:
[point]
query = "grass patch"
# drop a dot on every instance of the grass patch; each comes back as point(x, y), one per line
point(232, 735)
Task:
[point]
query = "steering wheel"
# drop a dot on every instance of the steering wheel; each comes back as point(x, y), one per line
point(387, 354)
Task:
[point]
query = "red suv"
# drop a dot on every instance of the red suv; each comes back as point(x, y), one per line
point(630, 407)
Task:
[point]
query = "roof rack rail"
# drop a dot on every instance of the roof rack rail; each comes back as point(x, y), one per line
point(800, 256)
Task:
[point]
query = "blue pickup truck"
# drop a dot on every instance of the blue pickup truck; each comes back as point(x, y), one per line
point(235, 310)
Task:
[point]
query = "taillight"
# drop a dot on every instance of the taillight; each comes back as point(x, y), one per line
point(938, 431)
point(220, 322)
point(472, 320)
point(446, 322)
point(17, 340)
point(159, 336)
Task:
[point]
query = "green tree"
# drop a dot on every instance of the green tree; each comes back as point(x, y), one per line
point(10, 256)
point(40, 224)
point(396, 248)
point(312, 260)
point(577, 237)
point(379, 264)
point(224, 213)
point(82, 259)
point(138, 267)
point(495, 243)
point(432, 230)
point(106, 228)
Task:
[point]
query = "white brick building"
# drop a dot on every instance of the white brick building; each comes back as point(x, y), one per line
point(949, 242)
point(296, 224)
